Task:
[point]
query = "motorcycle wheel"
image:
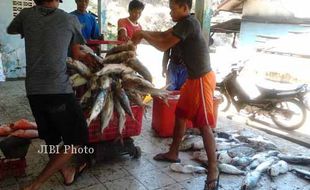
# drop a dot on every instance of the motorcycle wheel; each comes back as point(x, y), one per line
point(225, 101)
point(289, 115)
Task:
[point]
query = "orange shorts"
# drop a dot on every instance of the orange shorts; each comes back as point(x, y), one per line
point(196, 101)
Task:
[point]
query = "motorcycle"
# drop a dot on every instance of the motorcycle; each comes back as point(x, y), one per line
point(286, 107)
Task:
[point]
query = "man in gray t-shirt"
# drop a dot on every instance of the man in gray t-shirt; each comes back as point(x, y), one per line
point(49, 32)
point(196, 95)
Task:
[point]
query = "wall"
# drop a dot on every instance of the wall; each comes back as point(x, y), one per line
point(11, 46)
point(280, 11)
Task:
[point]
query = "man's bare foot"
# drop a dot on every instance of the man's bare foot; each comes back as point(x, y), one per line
point(212, 178)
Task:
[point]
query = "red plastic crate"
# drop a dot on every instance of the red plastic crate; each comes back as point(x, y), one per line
point(132, 127)
point(12, 167)
point(163, 117)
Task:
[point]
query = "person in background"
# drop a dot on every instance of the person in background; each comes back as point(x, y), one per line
point(126, 27)
point(196, 96)
point(90, 28)
point(48, 33)
point(174, 69)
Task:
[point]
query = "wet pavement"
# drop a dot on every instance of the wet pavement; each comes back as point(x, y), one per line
point(144, 173)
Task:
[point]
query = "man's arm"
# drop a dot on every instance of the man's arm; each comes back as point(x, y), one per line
point(160, 40)
point(165, 62)
point(77, 54)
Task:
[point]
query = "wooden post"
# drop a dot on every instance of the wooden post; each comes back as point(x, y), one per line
point(204, 13)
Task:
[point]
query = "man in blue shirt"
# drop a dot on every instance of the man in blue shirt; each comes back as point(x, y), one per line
point(90, 29)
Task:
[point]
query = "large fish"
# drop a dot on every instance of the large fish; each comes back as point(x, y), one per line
point(124, 100)
point(261, 157)
point(77, 80)
point(135, 98)
point(121, 116)
point(230, 169)
point(187, 169)
point(105, 82)
point(224, 158)
point(146, 90)
point(130, 78)
point(301, 173)
point(86, 49)
point(118, 57)
point(280, 167)
point(114, 69)
point(241, 161)
point(136, 65)
point(120, 48)
point(226, 145)
point(107, 111)
point(251, 179)
point(259, 143)
point(302, 160)
point(188, 142)
point(98, 105)
point(200, 156)
point(80, 67)
point(241, 151)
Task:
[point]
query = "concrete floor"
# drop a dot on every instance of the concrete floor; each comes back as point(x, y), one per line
point(135, 174)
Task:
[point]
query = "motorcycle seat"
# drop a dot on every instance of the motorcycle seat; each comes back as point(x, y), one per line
point(280, 87)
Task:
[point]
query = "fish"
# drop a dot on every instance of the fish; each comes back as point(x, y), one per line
point(86, 49)
point(301, 173)
point(135, 98)
point(114, 69)
point(200, 156)
point(281, 167)
point(121, 117)
point(105, 82)
point(198, 145)
point(302, 160)
point(85, 96)
point(130, 78)
point(29, 133)
point(187, 169)
point(224, 158)
point(188, 142)
point(230, 169)
point(251, 179)
point(98, 105)
point(77, 80)
point(23, 124)
point(261, 157)
point(124, 100)
point(223, 135)
point(226, 145)
point(80, 67)
point(259, 143)
point(118, 57)
point(146, 90)
point(5, 130)
point(243, 162)
point(107, 111)
point(241, 151)
point(120, 48)
point(136, 65)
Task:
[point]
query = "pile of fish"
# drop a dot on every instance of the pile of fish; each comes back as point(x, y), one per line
point(114, 83)
point(243, 153)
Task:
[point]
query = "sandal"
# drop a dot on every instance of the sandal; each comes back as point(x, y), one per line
point(216, 181)
point(162, 158)
point(76, 174)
